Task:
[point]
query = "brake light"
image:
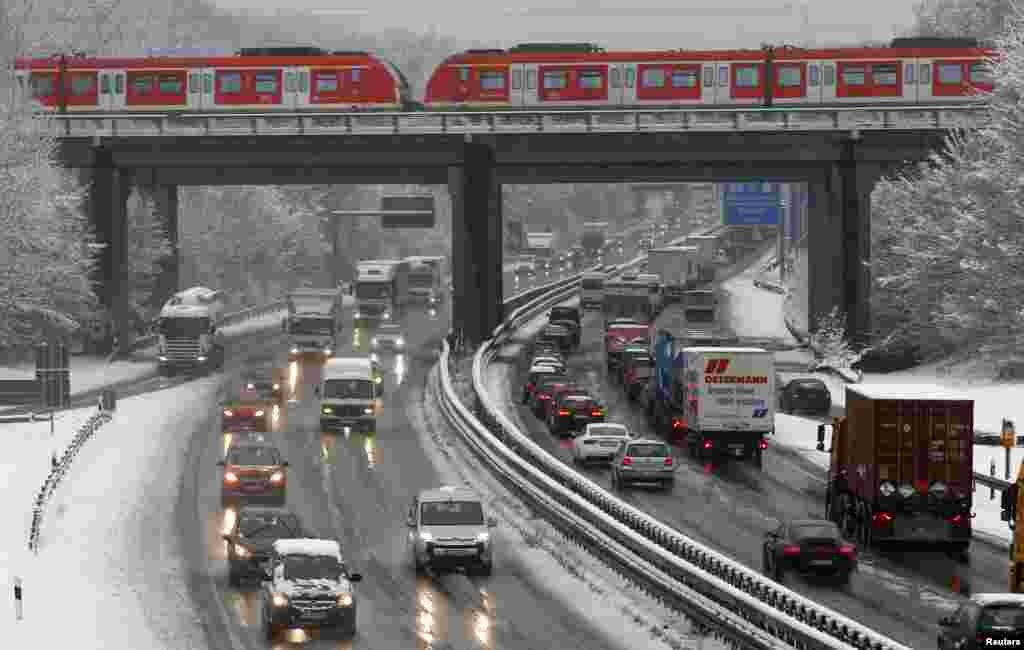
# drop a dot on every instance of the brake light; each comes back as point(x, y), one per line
point(543, 396)
point(529, 387)
point(563, 411)
point(764, 444)
point(668, 462)
point(678, 423)
point(961, 519)
point(627, 461)
point(790, 549)
point(229, 477)
point(848, 550)
point(595, 412)
point(707, 444)
point(882, 518)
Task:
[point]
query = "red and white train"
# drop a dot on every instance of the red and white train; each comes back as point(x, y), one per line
point(539, 76)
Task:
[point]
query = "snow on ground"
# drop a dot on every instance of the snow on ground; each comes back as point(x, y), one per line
point(88, 373)
point(752, 311)
point(108, 540)
point(266, 321)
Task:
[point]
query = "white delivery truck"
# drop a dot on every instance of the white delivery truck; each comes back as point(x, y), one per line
point(677, 268)
point(350, 394)
point(188, 331)
point(426, 278)
point(382, 291)
point(314, 321)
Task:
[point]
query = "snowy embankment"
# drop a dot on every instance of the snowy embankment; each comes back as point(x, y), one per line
point(108, 548)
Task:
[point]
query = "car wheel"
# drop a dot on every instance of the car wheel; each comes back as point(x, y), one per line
point(485, 570)
point(667, 485)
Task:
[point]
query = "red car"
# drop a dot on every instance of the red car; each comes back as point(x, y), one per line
point(254, 470)
point(548, 389)
point(574, 411)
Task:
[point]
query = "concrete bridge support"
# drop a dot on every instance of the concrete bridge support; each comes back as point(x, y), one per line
point(476, 244)
point(839, 242)
point(107, 204)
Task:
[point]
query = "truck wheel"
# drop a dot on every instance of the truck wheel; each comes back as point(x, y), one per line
point(757, 458)
point(269, 629)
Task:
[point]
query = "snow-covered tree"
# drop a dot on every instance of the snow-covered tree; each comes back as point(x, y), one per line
point(148, 247)
point(981, 19)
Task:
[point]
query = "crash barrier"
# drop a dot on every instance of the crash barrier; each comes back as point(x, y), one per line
point(57, 472)
point(233, 318)
point(768, 286)
point(784, 615)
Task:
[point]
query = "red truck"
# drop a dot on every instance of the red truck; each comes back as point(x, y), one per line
point(620, 334)
point(902, 467)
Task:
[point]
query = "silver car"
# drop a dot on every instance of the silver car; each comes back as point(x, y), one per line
point(389, 336)
point(643, 461)
point(448, 530)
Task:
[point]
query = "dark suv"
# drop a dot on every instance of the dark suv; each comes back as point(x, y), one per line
point(984, 621)
point(574, 411)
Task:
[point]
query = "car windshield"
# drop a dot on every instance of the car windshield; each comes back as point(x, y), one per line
point(277, 526)
point(348, 389)
point(812, 384)
point(253, 456)
point(452, 513)
point(312, 567)
point(373, 290)
point(648, 450)
point(607, 430)
point(1009, 615)
point(312, 326)
point(816, 531)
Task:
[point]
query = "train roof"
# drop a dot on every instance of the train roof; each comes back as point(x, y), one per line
point(90, 62)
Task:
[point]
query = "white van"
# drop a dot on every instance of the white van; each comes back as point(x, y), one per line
point(350, 394)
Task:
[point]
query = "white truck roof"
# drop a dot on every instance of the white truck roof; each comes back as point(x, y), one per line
point(315, 547)
point(196, 296)
point(906, 391)
point(348, 368)
point(722, 350)
point(186, 311)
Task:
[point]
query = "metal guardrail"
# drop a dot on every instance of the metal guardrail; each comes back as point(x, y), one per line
point(232, 318)
point(681, 120)
point(783, 613)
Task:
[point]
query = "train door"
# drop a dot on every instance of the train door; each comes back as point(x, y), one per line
point(195, 88)
point(205, 99)
point(924, 80)
point(113, 88)
point(629, 83)
point(814, 82)
point(828, 82)
point(296, 88)
point(517, 93)
point(615, 86)
point(531, 89)
point(910, 85)
point(707, 85)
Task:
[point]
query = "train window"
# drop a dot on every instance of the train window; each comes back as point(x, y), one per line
point(171, 84)
point(230, 82)
point(555, 79)
point(289, 82)
point(517, 79)
point(531, 79)
point(790, 75)
point(616, 78)
point(303, 81)
point(652, 78)
point(709, 76)
point(925, 76)
point(908, 73)
point(830, 76)
point(326, 82)
point(853, 74)
point(266, 82)
point(630, 77)
point(812, 74)
point(119, 84)
point(590, 80)
point(104, 84)
point(949, 73)
point(193, 83)
point(143, 85)
point(723, 76)
point(747, 76)
point(82, 85)
point(357, 75)
point(885, 74)
point(208, 83)
point(463, 74)
point(981, 73)
point(685, 79)
point(492, 80)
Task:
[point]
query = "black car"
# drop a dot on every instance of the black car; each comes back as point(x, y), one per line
point(574, 330)
point(984, 621)
point(808, 395)
point(808, 546)
point(565, 313)
point(573, 412)
point(251, 539)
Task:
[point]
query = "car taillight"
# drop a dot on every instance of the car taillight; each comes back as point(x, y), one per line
point(961, 519)
point(563, 411)
point(668, 462)
point(882, 518)
point(595, 412)
point(790, 549)
point(707, 444)
point(678, 423)
point(627, 461)
point(543, 396)
point(529, 387)
point(848, 550)
point(229, 477)
point(764, 444)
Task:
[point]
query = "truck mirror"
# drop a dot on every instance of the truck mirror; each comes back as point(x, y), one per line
point(821, 437)
point(355, 577)
point(1009, 504)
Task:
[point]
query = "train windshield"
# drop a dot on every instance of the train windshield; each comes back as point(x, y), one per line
point(183, 327)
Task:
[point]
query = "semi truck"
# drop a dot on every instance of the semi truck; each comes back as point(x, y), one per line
point(188, 331)
point(382, 291)
point(426, 278)
point(542, 246)
point(901, 467)
point(700, 307)
point(630, 297)
point(707, 255)
point(677, 267)
point(593, 237)
point(719, 400)
point(313, 323)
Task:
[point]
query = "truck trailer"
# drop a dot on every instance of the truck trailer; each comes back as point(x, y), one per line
point(188, 332)
point(677, 267)
point(426, 278)
point(314, 321)
point(902, 467)
point(382, 291)
point(720, 400)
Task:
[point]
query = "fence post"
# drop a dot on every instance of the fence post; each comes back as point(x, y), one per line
point(18, 612)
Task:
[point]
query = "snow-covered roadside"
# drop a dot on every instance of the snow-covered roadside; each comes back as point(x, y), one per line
point(88, 373)
point(108, 546)
point(752, 311)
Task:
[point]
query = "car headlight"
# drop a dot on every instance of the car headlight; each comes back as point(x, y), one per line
point(241, 551)
point(938, 489)
point(200, 358)
point(228, 413)
point(378, 380)
point(162, 358)
point(375, 341)
point(358, 314)
point(295, 350)
point(328, 410)
point(277, 477)
point(327, 352)
point(280, 600)
point(387, 315)
point(277, 386)
point(483, 537)
point(887, 489)
point(259, 413)
point(906, 490)
point(368, 410)
point(425, 536)
point(374, 357)
point(344, 600)
point(400, 341)
point(229, 477)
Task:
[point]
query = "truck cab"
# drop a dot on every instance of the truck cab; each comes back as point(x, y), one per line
point(350, 394)
point(313, 322)
point(188, 337)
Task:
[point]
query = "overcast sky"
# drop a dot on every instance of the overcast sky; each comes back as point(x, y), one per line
point(620, 24)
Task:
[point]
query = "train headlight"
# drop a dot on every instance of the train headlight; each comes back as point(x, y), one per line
point(887, 489)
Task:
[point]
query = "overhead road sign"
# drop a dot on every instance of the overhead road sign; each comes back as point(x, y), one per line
point(752, 204)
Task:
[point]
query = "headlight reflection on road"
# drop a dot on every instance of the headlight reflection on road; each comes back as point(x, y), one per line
point(370, 446)
point(293, 375)
point(399, 368)
point(480, 622)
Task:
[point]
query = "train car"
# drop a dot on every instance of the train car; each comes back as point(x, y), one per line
point(582, 76)
point(258, 79)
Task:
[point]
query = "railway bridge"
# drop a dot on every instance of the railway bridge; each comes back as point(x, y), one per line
point(839, 152)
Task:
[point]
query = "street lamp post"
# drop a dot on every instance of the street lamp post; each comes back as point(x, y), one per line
point(782, 241)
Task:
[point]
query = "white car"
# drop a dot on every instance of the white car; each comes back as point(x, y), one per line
point(599, 442)
point(548, 361)
point(388, 336)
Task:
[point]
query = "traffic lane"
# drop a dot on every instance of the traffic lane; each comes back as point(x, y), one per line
point(731, 509)
point(513, 283)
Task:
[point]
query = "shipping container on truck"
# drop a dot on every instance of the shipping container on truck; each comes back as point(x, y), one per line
point(677, 267)
point(382, 291)
point(707, 255)
point(592, 290)
point(902, 465)
point(718, 400)
point(542, 246)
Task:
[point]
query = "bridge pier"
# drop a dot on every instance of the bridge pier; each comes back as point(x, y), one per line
point(839, 242)
point(476, 244)
point(108, 203)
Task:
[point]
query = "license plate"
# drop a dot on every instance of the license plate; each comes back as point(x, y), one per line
point(821, 562)
point(456, 551)
point(315, 616)
point(737, 451)
point(609, 444)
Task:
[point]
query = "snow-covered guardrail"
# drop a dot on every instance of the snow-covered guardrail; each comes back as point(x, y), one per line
point(58, 471)
point(701, 575)
point(232, 318)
